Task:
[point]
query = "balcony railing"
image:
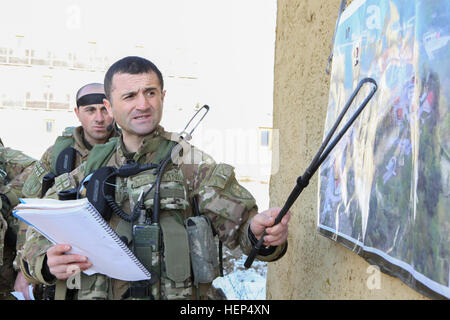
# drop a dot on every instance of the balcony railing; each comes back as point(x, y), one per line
point(8, 56)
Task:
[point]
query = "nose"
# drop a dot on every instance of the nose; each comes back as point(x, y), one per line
point(142, 102)
point(99, 116)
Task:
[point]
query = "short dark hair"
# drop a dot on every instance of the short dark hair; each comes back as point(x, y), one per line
point(131, 65)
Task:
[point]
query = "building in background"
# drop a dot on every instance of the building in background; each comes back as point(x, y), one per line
point(209, 52)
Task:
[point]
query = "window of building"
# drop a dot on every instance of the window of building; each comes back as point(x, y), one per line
point(49, 125)
point(265, 137)
point(48, 96)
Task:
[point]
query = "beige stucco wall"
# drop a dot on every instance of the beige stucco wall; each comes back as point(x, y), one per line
point(314, 267)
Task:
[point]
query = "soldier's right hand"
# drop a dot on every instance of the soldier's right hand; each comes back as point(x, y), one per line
point(63, 265)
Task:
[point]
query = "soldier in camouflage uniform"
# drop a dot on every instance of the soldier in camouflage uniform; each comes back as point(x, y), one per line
point(95, 129)
point(135, 95)
point(14, 169)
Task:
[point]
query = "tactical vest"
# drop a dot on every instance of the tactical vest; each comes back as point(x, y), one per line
point(171, 261)
point(65, 163)
point(63, 160)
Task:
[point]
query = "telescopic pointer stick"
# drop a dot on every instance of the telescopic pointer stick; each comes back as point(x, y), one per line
point(321, 155)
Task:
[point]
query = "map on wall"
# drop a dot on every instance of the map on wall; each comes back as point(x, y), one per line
point(384, 191)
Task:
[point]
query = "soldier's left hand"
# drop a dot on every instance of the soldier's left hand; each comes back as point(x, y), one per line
point(276, 235)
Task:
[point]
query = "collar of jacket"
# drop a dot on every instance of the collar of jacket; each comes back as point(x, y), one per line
point(148, 148)
point(82, 145)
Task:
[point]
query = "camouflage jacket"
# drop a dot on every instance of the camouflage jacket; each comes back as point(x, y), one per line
point(227, 204)
point(33, 185)
point(15, 167)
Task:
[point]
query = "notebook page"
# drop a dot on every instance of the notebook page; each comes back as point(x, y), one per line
point(80, 227)
point(49, 203)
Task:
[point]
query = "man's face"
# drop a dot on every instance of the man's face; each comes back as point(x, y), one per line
point(94, 119)
point(136, 102)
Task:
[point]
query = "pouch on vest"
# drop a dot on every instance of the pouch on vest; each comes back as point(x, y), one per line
point(176, 249)
point(172, 192)
point(176, 267)
point(203, 250)
point(65, 161)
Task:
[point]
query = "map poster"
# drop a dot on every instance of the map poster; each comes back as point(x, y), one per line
point(384, 191)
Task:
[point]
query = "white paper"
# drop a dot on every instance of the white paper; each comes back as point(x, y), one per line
point(77, 223)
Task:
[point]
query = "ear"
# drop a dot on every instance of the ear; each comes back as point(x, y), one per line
point(108, 107)
point(163, 94)
point(76, 112)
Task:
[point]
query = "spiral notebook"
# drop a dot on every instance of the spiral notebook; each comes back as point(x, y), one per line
point(78, 223)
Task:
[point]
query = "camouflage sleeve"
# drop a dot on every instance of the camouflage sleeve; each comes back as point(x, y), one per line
point(32, 256)
point(19, 226)
point(270, 254)
point(18, 167)
point(229, 205)
point(33, 185)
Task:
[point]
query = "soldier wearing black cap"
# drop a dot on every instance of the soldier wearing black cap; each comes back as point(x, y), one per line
point(73, 146)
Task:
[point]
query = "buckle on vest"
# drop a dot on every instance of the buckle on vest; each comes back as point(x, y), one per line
point(141, 290)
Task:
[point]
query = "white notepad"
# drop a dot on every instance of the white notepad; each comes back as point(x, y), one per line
point(78, 223)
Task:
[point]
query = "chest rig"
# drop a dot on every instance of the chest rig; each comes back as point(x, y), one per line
point(147, 205)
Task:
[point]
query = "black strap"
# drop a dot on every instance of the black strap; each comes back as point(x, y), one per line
point(263, 251)
point(65, 163)
point(221, 258)
point(47, 182)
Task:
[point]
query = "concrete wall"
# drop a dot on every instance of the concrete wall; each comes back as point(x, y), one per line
point(314, 267)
